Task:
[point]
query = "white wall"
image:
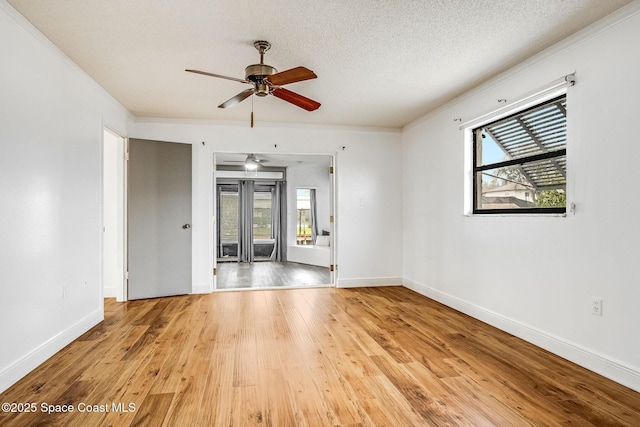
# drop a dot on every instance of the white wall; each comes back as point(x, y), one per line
point(454, 258)
point(368, 174)
point(51, 123)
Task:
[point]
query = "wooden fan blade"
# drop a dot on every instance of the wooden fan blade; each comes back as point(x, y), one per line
point(237, 99)
point(204, 73)
point(293, 75)
point(296, 99)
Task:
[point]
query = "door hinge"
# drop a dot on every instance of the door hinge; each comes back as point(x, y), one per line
point(126, 275)
point(215, 271)
point(331, 267)
point(331, 219)
point(331, 169)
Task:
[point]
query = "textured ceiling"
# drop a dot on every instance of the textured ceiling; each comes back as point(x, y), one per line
point(379, 63)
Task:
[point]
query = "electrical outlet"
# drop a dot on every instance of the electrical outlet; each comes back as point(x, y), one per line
point(596, 306)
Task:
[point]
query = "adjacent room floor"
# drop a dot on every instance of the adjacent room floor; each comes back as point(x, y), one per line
point(234, 275)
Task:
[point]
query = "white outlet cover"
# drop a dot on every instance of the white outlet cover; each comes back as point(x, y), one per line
point(596, 307)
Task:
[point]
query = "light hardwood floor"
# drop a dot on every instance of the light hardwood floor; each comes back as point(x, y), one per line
point(267, 274)
point(312, 357)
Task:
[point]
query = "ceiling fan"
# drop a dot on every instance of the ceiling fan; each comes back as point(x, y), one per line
point(250, 163)
point(266, 80)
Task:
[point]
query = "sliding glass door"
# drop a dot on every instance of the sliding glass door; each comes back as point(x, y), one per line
point(262, 234)
point(233, 223)
point(228, 232)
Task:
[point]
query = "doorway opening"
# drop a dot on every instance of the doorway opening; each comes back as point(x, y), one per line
point(257, 232)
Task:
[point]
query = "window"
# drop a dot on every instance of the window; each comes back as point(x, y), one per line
point(519, 161)
point(261, 215)
point(229, 216)
point(303, 217)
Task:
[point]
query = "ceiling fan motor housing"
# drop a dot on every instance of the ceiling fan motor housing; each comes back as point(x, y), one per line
point(256, 73)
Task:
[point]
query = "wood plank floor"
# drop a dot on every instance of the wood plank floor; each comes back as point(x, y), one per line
point(310, 357)
point(234, 275)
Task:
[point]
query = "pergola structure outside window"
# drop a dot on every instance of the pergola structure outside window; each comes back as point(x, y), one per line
point(520, 162)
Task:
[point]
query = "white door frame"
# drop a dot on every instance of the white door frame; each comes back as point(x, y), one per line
point(333, 208)
point(115, 172)
point(213, 256)
point(333, 274)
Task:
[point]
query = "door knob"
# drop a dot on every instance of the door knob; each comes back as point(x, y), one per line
point(186, 226)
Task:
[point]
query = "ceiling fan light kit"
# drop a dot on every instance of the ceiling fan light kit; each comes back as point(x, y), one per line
point(266, 80)
point(251, 163)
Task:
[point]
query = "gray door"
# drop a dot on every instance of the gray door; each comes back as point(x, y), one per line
point(159, 219)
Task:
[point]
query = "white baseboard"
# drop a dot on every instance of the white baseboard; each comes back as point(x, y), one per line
point(604, 365)
point(38, 355)
point(369, 282)
point(201, 289)
point(110, 293)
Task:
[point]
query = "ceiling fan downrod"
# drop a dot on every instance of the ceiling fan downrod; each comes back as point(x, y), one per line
point(262, 46)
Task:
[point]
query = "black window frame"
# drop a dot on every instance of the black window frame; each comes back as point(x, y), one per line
point(477, 177)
